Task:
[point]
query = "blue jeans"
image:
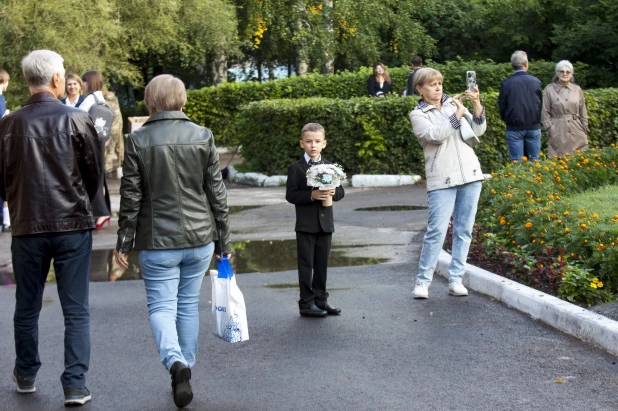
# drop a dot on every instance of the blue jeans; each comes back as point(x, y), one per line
point(530, 140)
point(173, 279)
point(32, 255)
point(460, 202)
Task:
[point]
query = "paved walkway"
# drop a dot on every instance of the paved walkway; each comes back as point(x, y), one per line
point(386, 352)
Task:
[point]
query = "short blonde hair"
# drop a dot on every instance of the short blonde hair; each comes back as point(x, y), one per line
point(312, 128)
point(425, 75)
point(165, 93)
point(4, 76)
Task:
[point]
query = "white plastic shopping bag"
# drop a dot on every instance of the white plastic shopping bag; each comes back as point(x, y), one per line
point(229, 314)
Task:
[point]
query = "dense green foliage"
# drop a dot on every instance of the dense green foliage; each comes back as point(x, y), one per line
point(129, 41)
point(217, 107)
point(372, 135)
point(197, 40)
point(561, 210)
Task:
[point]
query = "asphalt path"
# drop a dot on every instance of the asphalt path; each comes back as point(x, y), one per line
point(385, 352)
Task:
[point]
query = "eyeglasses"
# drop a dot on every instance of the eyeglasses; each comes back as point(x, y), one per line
point(564, 72)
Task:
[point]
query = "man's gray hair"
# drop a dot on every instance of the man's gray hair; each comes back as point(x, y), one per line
point(564, 63)
point(519, 59)
point(40, 66)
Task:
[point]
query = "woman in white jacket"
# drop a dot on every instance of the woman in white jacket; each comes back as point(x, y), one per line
point(453, 173)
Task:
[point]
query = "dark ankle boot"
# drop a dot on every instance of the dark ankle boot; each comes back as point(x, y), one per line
point(181, 385)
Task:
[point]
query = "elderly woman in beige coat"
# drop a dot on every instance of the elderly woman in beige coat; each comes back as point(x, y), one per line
point(564, 113)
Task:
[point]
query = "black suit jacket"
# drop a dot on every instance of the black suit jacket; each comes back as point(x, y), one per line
point(311, 216)
point(80, 100)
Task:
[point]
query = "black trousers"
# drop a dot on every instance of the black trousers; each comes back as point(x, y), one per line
point(101, 202)
point(31, 260)
point(312, 251)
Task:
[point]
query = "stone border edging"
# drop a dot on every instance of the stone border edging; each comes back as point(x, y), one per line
point(358, 180)
point(566, 317)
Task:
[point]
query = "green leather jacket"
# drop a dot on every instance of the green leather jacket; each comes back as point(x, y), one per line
point(172, 193)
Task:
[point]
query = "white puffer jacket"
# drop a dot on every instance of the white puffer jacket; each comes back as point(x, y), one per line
point(449, 161)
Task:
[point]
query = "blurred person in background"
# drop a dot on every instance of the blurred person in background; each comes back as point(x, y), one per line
point(115, 149)
point(74, 91)
point(379, 83)
point(101, 205)
point(564, 113)
point(4, 84)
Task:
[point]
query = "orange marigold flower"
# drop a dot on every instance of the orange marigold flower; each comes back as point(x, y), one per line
point(616, 217)
point(553, 216)
point(524, 158)
point(566, 230)
point(537, 165)
point(595, 215)
point(566, 213)
point(583, 226)
point(601, 247)
point(528, 225)
point(557, 198)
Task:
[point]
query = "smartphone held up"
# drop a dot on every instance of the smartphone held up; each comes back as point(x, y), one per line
point(471, 80)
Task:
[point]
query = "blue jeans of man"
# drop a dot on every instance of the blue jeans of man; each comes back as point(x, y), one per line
point(520, 141)
point(32, 255)
point(173, 279)
point(460, 202)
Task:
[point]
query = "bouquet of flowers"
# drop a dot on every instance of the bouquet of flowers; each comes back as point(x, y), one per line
point(325, 177)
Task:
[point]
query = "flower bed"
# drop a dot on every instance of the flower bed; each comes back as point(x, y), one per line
point(553, 225)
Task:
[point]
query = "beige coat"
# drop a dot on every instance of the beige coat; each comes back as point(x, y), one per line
point(449, 161)
point(565, 119)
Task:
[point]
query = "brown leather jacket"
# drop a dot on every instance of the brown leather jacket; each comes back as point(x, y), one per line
point(51, 164)
point(172, 193)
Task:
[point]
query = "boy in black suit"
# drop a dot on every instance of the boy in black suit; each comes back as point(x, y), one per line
point(314, 225)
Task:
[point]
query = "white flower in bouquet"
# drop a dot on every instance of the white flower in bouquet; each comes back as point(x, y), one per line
point(325, 176)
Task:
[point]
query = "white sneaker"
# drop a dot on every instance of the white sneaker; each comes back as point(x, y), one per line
point(456, 288)
point(421, 290)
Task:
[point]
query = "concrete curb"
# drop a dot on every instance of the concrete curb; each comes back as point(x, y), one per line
point(358, 180)
point(564, 316)
point(383, 180)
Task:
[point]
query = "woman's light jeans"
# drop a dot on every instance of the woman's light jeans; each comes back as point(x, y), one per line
point(173, 279)
point(460, 202)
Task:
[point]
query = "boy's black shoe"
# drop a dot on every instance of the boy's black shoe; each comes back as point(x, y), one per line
point(330, 309)
point(181, 385)
point(6, 228)
point(313, 311)
point(76, 396)
point(24, 385)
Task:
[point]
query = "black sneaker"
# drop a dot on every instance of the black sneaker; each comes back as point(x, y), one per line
point(76, 396)
point(181, 385)
point(24, 385)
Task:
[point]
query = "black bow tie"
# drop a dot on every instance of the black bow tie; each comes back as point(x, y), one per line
point(312, 163)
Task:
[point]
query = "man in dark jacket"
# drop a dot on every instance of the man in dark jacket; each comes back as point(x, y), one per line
point(51, 164)
point(520, 102)
point(417, 63)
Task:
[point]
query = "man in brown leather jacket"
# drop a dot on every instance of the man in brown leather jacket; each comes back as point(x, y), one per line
point(51, 162)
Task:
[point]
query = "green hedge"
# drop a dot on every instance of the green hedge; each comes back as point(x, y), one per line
point(217, 107)
point(370, 135)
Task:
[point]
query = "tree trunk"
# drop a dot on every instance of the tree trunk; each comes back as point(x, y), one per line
point(329, 64)
point(302, 67)
point(271, 70)
point(219, 66)
point(259, 71)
